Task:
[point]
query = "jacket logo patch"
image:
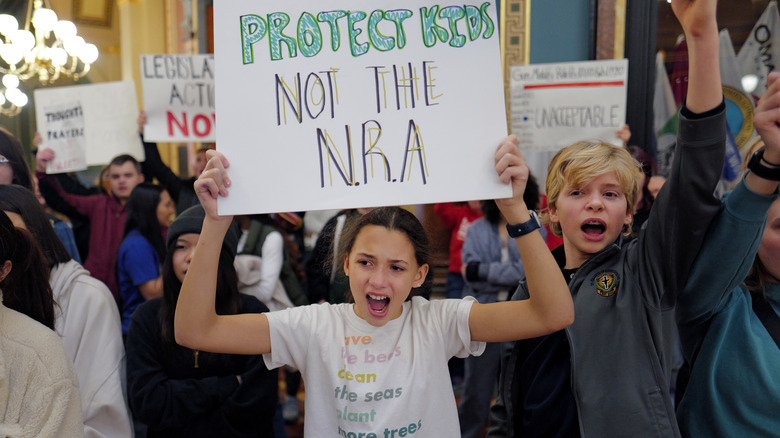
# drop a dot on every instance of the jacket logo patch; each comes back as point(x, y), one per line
point(605, 283)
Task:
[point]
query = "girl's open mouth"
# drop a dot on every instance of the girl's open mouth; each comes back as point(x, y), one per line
point(377, 304)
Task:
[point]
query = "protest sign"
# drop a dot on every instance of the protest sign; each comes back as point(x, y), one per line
point(178, 95)
point(354, 104)
point(64, 134)
point(109, 114)
point(554, 105)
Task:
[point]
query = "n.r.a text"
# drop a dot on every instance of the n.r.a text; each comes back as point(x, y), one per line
point(343, 157)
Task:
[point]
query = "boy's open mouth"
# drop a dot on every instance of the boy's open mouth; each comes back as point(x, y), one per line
point(377, 304)
point(594, 227)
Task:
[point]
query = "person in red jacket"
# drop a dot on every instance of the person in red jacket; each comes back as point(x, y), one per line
point(106, 212)
point(457, 216)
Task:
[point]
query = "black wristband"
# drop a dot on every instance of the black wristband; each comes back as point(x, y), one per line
point(755, 166)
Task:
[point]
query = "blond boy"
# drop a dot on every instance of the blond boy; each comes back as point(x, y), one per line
point(608, 374)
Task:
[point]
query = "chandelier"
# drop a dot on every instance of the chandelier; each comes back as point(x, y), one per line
point(12, 99)
point(52, 49)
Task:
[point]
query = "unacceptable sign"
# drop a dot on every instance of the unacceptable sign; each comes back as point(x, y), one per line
point(65, 135)
point(555, 105)
point(108, 126)
point(387, 103)
point(178, 97)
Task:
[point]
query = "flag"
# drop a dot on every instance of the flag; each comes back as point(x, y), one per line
point(739, 108)
point(730, 73)
point(761, 50)
point(664, 107)
point(666, 141)
point(665, 120)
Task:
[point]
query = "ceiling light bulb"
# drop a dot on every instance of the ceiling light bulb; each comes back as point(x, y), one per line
point(16, 97)
point(64, 29)
point(8, 24)
point(23, 39)
point(10, 81)
point(73, 45)
point(88, 53)
point(12, 54)
point(59, 56)
point(44, 19)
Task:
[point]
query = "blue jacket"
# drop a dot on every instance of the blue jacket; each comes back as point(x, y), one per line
point(483, 246)
point(734, 389)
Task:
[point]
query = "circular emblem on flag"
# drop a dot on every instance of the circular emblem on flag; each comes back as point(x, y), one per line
point(739, 114)
point(605, 282)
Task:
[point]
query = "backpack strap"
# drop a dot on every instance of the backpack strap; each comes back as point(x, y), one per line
point(767, 316)
point(254, 239)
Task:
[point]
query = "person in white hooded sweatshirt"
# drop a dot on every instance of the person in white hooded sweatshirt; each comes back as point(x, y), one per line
point(86, 318)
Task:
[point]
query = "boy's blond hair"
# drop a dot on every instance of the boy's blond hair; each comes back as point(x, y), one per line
point(584, 161)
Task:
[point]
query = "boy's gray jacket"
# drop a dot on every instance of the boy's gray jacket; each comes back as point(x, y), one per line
point(622, 338)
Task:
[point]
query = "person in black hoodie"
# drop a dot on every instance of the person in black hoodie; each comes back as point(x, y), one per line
point(179, 392)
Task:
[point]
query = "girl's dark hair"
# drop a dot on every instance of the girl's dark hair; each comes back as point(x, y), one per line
point(228, 301)
point(394, 219)
point(11, 148)
point(142, 215)
point(757, 278)
point(26, 288)
point(21, 201)
point(530, 196)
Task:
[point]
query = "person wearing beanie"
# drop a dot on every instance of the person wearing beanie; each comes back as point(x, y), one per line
point(178, 392)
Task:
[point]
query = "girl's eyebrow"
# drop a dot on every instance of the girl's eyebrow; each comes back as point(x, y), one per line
point(371, 257)
point(399, 262)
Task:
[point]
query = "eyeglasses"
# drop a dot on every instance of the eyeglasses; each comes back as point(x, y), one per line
point(3, 159)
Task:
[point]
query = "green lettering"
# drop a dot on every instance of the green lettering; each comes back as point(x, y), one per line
point(379, 41)
point(356, 48)
point(252, 30)
point(309, 35)
point(277, 21)
point(398, 16)
point(332, 18)
point(473, 21)
point(430, 30)
point(453, 14)
point(489, 26)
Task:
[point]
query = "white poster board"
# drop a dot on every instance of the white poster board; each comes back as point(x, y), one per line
point(178, 93)
point(110, 113)
point(354, 104)
point(555, 105)
point(64, 134)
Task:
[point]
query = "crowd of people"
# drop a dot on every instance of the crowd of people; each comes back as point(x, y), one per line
point(567, 313)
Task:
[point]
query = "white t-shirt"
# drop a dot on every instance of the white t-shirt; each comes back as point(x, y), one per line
point(375, 382)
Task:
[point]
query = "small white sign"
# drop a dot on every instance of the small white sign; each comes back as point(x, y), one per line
point(357, 104)
point(555, 105)
point(110, 114)
point(65, 135)
point(178, 95)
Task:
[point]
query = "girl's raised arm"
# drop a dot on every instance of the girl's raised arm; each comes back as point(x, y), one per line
point(196, 323)
point(549, 307)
